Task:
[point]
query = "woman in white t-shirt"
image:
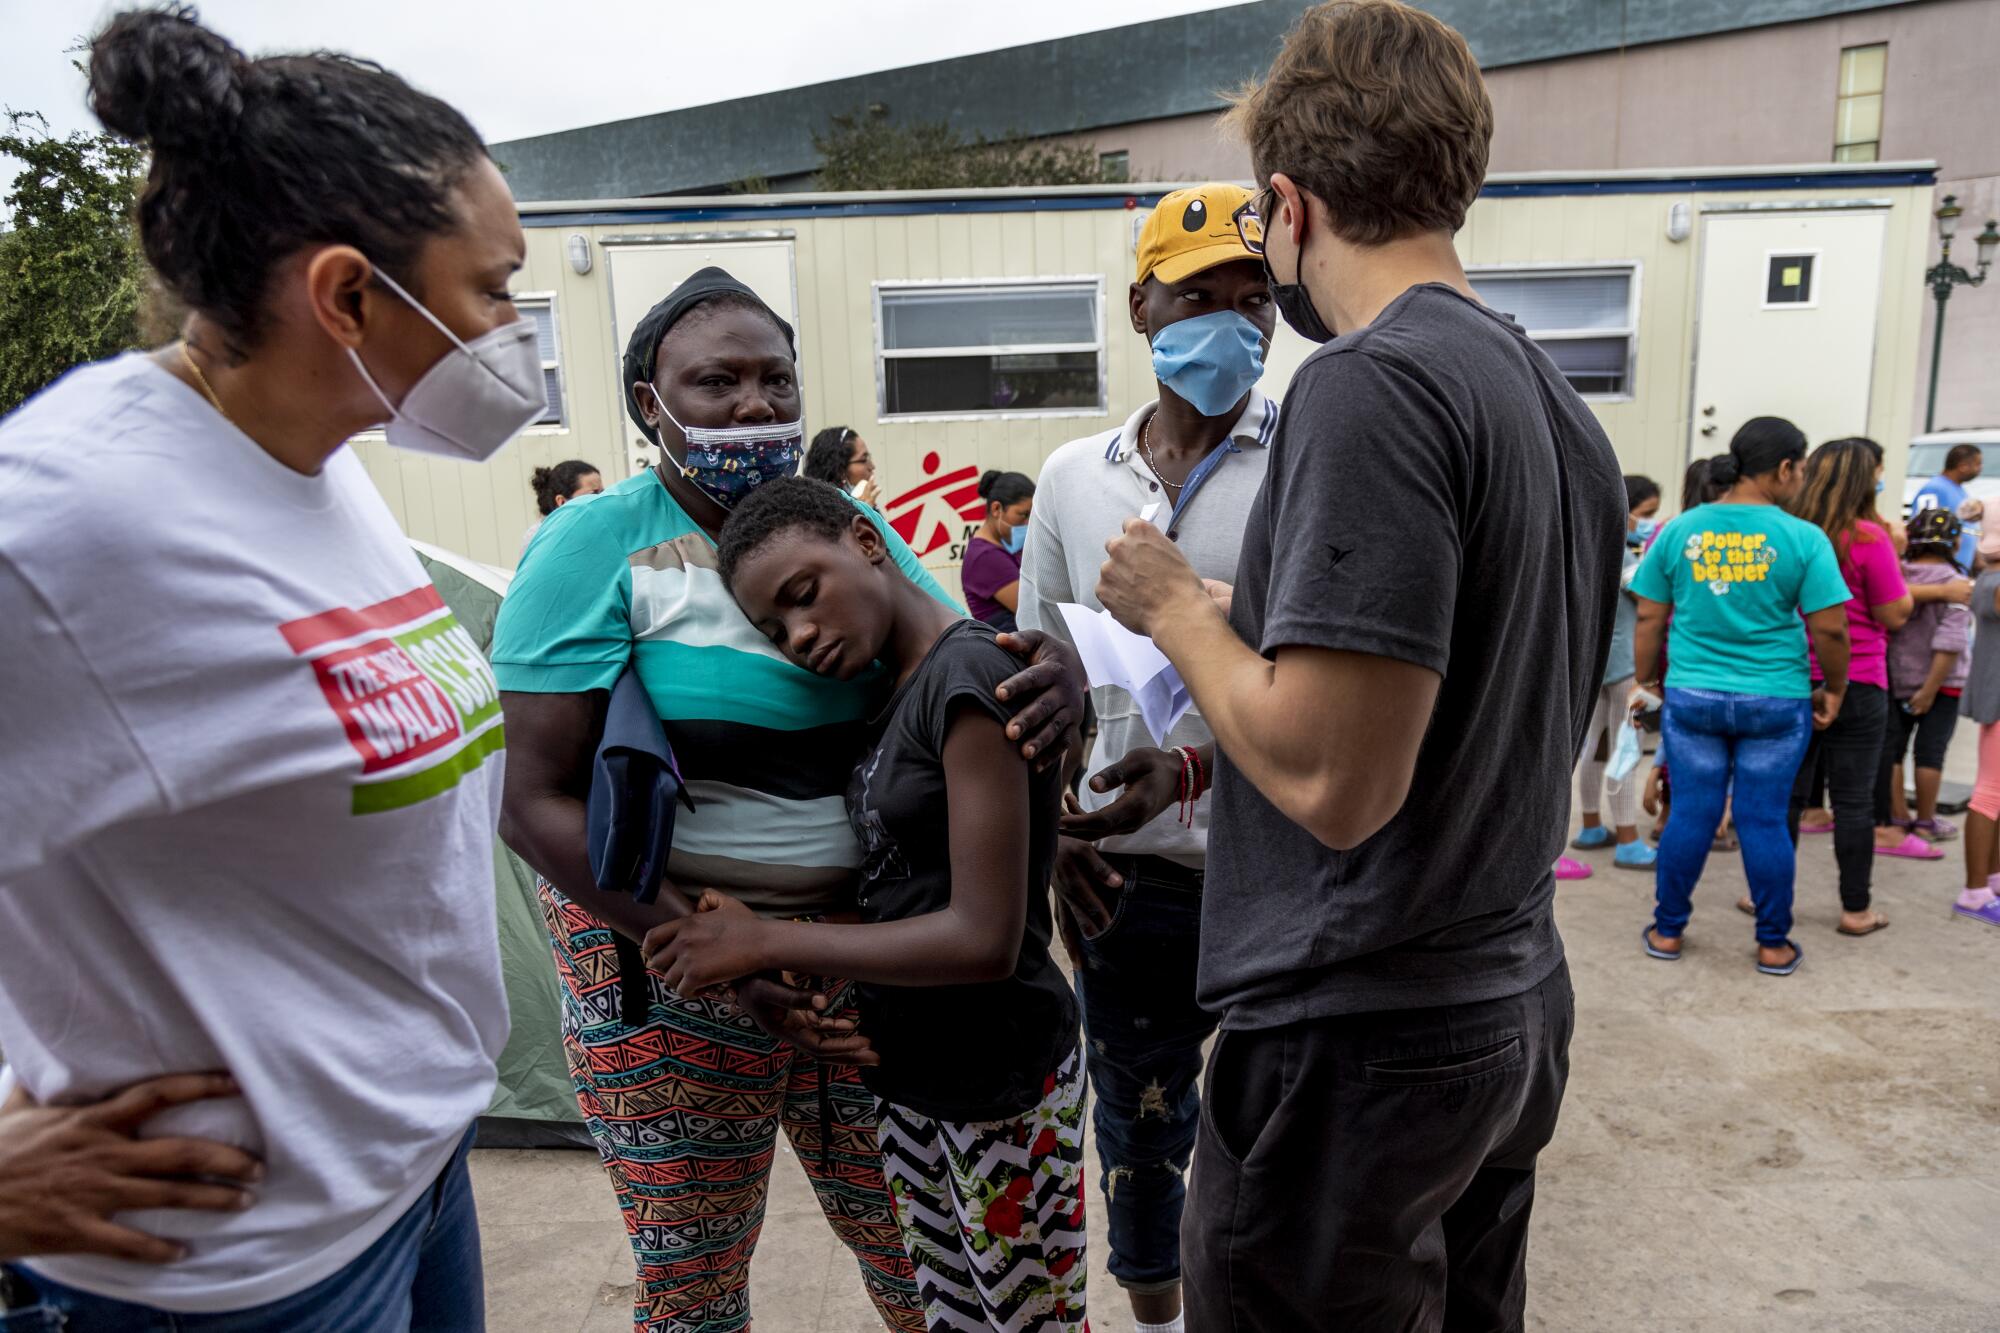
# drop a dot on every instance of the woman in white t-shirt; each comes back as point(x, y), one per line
point(253, 763)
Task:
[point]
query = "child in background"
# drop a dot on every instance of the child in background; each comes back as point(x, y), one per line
point(1642, 501)
point(1981, 703)
point(1928, 660)
point(981, 1073)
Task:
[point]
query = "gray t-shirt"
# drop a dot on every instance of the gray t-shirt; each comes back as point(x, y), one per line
point(1981, 701)
point(1438, 494)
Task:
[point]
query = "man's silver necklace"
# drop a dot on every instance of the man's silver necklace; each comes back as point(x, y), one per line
point(1147, 450)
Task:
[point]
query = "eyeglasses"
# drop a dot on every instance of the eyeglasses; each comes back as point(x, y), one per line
point(1250, 224)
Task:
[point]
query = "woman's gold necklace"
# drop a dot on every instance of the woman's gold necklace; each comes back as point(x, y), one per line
point(188, 359)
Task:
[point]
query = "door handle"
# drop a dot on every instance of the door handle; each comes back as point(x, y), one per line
point(1708, 430)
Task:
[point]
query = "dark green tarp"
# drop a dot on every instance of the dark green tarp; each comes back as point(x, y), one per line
point(534, 1106)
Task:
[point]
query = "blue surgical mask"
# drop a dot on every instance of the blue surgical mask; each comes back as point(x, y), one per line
point(1210, 360)
point(1642, 531)
point(1016, 539)
point(1878, 488)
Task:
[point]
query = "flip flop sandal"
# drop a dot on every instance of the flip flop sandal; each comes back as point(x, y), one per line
point(1646, 938)
point(1911, 848)
point(1879, 923)
point(1934, 830)
point(1784, 969)
point(1990, 914)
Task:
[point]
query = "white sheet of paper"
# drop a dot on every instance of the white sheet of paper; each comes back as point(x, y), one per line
point(1114, 655)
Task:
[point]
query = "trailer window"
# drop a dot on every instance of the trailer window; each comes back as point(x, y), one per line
point(542, 309)
point(1585, 318)
point(1008, 348)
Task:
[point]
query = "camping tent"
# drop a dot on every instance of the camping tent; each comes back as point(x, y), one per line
point(535, 1104)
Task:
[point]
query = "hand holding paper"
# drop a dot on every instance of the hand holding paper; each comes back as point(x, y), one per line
point(1114, 655)
point(1145, 577)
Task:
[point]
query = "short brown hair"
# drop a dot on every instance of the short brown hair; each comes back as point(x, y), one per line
point(1379, 110)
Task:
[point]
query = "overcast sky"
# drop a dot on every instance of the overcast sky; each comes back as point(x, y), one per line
point(520, 67)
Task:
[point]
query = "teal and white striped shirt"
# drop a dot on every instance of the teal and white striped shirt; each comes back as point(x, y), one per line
point(766, 747)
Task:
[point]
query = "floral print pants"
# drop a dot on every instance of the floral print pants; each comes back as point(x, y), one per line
point(992, 1213)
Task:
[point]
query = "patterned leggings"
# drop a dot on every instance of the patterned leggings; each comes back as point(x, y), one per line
point(992, 1213)
point(686, 1112)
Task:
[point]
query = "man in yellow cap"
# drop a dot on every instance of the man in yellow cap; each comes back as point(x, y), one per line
point(1129, 871)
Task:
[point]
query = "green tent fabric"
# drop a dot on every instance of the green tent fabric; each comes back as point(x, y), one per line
point(535, 1104)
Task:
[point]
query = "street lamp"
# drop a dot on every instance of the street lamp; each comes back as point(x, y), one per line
point(1945, 275)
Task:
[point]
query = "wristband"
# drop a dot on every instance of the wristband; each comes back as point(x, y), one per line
point(1194, 782)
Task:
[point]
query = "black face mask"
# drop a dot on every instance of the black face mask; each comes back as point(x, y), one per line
point(1295, 303)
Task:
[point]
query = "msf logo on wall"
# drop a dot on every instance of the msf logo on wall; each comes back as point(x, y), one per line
point(939, 512)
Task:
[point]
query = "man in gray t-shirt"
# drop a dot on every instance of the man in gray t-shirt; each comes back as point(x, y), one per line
point(1420, 619)
point(1981, 702)
point(1448, 523)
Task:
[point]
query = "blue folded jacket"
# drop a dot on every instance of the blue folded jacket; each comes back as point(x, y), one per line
point(634, 785)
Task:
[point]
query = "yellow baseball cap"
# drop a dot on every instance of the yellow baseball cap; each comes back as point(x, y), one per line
point(1191, 230)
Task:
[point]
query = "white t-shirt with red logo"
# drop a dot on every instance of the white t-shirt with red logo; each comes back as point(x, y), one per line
point(250, 770)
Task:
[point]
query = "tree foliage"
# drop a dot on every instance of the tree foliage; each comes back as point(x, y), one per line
point(864, 150)
point(72, 276)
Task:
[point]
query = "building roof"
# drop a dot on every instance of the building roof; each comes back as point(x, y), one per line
point(1145, 71)
point(1840, 179)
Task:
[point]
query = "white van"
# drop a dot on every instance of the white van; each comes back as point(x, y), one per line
point(1927, 454)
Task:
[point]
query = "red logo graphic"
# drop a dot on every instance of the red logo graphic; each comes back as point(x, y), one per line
point(399, 696)
point(937, 508)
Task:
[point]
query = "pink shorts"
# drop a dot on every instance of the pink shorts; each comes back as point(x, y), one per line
point(1986, 794)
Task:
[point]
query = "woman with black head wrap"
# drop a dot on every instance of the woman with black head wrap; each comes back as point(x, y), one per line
point(686, 1106)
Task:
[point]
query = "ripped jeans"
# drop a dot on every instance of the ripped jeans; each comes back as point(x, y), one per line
point(1145, 1030)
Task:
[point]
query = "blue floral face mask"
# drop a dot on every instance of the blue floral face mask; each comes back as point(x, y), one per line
point(1210, 360)
point(727, 464)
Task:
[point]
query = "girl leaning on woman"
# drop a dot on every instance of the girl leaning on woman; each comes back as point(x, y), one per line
point(686, 1093)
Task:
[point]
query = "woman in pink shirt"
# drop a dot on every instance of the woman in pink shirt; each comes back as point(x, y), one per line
point(1843, 478)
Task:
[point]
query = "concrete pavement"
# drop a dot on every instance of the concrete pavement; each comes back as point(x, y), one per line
point(1737, 1152)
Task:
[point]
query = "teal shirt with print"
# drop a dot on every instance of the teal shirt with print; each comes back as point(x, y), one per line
point(766, 747)
point(1738, 577)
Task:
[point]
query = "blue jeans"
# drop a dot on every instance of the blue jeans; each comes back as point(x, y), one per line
point(422, 1276)
point(1146, 1034)
point(1742, 749)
